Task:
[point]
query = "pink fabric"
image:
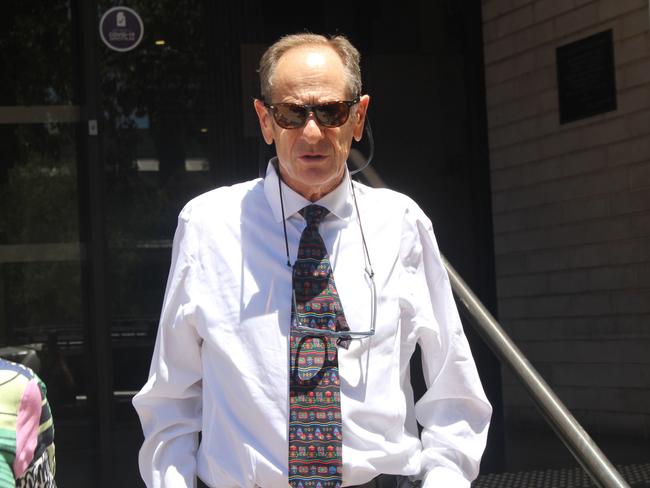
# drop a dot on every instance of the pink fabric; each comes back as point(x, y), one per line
point(29, 416)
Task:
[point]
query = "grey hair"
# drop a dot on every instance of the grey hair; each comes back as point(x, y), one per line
point(347, 52)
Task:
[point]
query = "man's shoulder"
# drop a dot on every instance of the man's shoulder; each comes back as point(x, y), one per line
point(223, 201)
point(385, 201)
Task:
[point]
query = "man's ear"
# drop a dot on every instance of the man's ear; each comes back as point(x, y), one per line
point(362, 109)
point(266, 123)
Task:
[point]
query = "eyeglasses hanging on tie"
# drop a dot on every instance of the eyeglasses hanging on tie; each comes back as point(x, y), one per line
point(298, 324)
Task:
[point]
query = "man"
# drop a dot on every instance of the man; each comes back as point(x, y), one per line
point(293, 306)
point(26, 430)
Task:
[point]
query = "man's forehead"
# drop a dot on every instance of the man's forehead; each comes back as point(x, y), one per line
point(314, 69)
point(313, 54)
point(315, 59)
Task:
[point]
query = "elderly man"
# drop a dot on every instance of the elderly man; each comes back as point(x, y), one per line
point(293, 306)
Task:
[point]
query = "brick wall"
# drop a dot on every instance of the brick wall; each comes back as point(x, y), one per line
point(571, 207)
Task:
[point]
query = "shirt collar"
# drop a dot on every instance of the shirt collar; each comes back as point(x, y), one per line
point(338, 201)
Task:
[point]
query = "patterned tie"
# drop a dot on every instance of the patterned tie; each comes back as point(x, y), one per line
point(315, 435)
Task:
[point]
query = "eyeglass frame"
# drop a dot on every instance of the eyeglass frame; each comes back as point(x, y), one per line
point(370, 273)
point(304, 330)
point(310, 107)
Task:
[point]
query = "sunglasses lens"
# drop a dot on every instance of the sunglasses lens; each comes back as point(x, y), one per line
point(293, 116)
point(332, 114)
point(289, 115)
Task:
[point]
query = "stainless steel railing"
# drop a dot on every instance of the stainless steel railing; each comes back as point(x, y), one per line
point(570, 432)
point(567, 428)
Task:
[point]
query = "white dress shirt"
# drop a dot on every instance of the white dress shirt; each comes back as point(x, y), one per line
point(220, 364)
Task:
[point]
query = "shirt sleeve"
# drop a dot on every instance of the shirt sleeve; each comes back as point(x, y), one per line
point(454, 411)
point(34, 463)
point(169, 404)
point(27, 422)
point(39, 474)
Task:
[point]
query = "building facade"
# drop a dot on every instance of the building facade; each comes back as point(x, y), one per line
point(571, 206)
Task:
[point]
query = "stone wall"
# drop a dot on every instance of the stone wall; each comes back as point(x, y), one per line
point(571, 209)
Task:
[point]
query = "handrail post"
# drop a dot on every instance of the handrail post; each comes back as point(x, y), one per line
point(583, 448)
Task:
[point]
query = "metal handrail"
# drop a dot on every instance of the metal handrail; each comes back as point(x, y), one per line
point(567, 428)
point(570, 432)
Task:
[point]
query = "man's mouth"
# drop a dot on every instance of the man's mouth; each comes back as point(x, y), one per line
point(313, 157)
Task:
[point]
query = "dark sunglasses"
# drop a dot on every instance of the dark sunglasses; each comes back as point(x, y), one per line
point(294, 116)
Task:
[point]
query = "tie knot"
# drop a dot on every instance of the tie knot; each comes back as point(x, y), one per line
point(314, 214)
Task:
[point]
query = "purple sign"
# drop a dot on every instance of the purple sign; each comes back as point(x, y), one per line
point(121, 28)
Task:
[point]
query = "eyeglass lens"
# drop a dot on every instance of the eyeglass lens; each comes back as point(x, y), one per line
point(293, 116)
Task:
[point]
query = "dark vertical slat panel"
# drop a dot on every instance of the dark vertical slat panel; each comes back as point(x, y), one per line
point(484, 280)
point(94, 215)
point(230, 25)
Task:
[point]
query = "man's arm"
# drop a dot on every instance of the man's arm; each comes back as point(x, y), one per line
point(169, 404)
point(454, 411)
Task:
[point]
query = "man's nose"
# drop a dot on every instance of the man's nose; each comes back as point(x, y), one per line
point(312, 131)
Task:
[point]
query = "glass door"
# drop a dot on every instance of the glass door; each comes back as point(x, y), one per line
point(43, 301)
point(157, 140)
point(165, 138)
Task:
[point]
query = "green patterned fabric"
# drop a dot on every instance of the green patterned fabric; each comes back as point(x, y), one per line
point(12, 385)
point(37, 468)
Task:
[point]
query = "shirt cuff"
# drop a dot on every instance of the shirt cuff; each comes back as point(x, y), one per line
point(441, 476)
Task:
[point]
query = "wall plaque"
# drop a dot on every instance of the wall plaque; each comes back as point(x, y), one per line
point(586, 77)
point(121, 29)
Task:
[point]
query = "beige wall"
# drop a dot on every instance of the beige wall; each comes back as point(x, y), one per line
point(571, 206)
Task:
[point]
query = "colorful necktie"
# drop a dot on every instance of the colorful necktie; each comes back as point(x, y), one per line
point(315, 435)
